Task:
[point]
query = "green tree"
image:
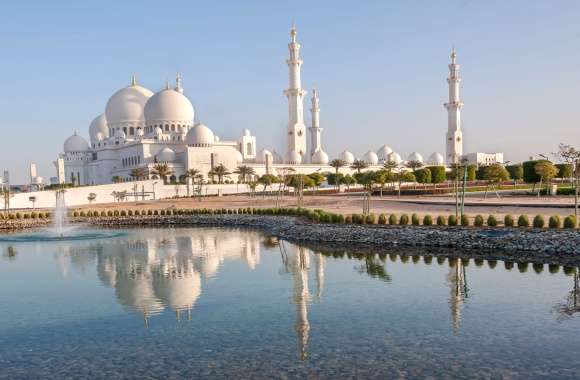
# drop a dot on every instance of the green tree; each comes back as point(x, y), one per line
point(546, 170)
point(530, 174)
point(437, 174)
point(116, 179)
point(267, 180)
point(337, 163)
point(565, 170)
point(359, 165)
point(423, 175)
point(348, 180)
point(244, 172)
point(516, 172)
point(138, 173)
point(220, 171)
point(91, 197)
point(381, 177)
point(317, 178)
point(335, 179)
point(162, 171)
point(494, 174)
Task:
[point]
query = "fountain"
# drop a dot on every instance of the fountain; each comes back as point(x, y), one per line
point(60, 230)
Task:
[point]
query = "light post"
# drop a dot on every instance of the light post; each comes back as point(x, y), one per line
point(154, 183)
point(541, 177)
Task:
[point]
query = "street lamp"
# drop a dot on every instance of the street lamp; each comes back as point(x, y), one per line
point(154, 183)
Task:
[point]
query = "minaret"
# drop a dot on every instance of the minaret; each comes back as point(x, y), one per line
point(178, 87)
point(295, 94)
point(454, 139)
point(315, 130)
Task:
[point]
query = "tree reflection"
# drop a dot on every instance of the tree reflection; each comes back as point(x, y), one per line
point(571, 306)
point(10, 253)
point(375, 267)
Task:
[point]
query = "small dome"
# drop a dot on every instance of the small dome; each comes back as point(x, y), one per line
point(98, 125)
point(293, 157)
point(216, 139)
point(247, 132)
point(394, 157)
point(76, 143)
point(383, 152)
point(320, 157)
point(99, 137)
point(347, 157)
point(370, 158)
point(415, 157)
point(200, 135)
point(263, 154)
point(165, 155)
point(127, 105)
point(168, 106)
point(436, 159)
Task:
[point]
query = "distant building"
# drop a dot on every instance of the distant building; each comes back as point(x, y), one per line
point(484, 159)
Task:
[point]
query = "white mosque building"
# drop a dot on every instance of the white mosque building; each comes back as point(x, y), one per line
point(140, 128)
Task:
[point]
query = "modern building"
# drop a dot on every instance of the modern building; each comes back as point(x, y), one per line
point(484, 159)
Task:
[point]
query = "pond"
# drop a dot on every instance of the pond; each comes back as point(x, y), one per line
point(219, 302)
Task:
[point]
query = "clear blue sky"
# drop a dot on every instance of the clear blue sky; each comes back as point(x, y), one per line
point(380, 67)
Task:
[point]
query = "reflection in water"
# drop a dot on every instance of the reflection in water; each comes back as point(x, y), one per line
point(571, 306)
point(457, 282)
point(10, 253)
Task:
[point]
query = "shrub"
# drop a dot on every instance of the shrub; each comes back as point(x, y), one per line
point(464, 220)
point(452, 220)
point(26, 215)
point(554, 222)
point(155, 212)
point(33, 215)
point(523, 221)
point(315, 217)
point(370, 219)
point(123, 213)
point(441, 220)
point(392, 219)
point(130, 212)
point(538, 221)
point(427, 220)
point(570, 221)
point(415, 219)
point(75, 214)
point(404, 219)
point(382, 219)
point(110, 213)
point(162, 212)
point(11, 216)
point(508, 220)
point(348, 219)
point(478, 221)
point(491, 221)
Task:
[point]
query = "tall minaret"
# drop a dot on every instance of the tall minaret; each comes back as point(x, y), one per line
point(454, 136)
point(315, 130)
point(295, 94)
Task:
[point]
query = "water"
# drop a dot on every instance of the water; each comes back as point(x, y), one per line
point(208, 302)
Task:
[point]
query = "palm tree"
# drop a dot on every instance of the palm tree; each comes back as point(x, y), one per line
point(91, 197)
point(162, 170)
point(191, 173)
point(359, 165)
point(117, 179)
point(221, 171)
point(389, 166)
point(337, 163)
point(244, 171)
point(138, 173)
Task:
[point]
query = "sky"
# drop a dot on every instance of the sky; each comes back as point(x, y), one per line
point(380, 68)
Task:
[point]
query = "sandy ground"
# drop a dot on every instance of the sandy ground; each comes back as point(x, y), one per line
point(346, 204)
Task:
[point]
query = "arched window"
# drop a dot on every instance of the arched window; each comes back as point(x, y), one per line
point(166, 127)
point(172, 127)
point(132, 131)
point(249, 149)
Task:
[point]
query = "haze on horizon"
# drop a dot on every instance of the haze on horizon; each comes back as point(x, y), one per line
point(380, 68)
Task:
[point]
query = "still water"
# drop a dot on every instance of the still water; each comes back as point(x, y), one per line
point(212, 302)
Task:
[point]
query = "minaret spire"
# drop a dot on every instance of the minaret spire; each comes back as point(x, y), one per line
point(178, 87)
point(454, 137)
point(133, 80)
point(315, 130)
point(295, 95)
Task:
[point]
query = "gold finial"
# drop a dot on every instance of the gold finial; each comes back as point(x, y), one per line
point(453, 54)
point(293, 32)
point(133, 80)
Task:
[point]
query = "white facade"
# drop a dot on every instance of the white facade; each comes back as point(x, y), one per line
point(484, 159)
point(454, 137)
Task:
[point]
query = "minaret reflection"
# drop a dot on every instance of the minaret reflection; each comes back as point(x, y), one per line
point(458, 291)
point(296, 261)
point(319, 260)
point(571, 306)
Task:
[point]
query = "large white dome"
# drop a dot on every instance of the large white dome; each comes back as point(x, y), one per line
point(436, 159)
point(383, 152)
point(76, 143)
point(394, 157)
point(200, 135)
point(293, 157)
point(98, 125)
point(169, 106)
point(371, 158)
point(166, 155)
point(320, 157)
point(127, 105)
point(347, 157)
point(415, 157)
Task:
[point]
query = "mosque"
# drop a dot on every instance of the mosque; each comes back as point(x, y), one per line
point(140, 129)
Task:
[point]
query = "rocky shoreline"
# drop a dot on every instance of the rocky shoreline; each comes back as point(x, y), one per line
point(518, 244)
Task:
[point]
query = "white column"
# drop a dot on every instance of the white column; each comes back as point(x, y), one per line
point(454, 136)
point(295, 95)
point(315, 130)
